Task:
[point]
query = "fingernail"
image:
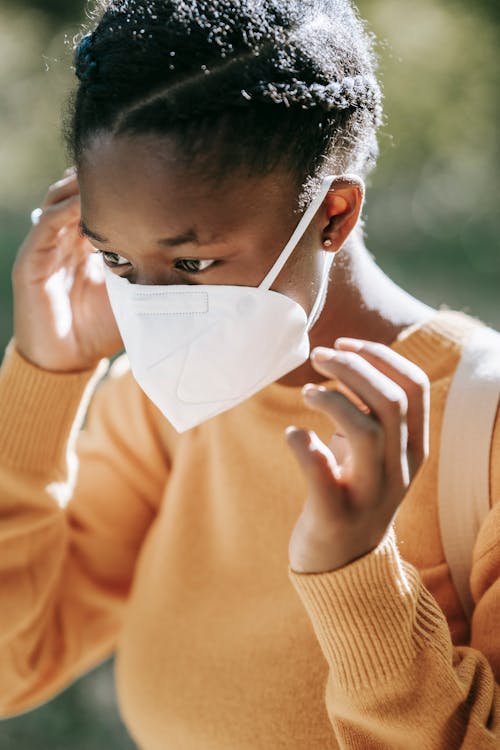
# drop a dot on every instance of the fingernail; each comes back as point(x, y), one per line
point(353, 344)
point(36, 215)
point(292, 435)
point(311, 391)
point(323, 354)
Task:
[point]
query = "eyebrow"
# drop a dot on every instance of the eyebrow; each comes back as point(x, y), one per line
point(181, 239)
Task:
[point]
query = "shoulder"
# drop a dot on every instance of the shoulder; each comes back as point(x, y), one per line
point(472, 389)
point(473, 412)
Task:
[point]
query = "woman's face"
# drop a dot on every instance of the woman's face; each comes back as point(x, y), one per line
point(156, 223)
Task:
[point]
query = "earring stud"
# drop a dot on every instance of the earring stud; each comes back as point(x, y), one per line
point(327, 243)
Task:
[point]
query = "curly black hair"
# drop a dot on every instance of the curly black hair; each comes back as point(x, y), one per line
point(239, 84)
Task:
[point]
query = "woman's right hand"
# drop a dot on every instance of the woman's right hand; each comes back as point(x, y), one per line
point(62, 316)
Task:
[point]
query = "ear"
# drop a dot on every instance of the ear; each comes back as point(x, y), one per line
point(341, 210)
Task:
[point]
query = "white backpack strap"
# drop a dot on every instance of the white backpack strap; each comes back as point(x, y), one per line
point(464, 459)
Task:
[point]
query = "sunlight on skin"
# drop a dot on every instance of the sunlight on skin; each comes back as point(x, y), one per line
point(95, 268)
point(58, 288)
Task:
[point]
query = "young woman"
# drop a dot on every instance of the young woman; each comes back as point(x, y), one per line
point(260, 591)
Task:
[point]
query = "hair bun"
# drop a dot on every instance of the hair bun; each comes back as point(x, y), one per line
point(86, 65)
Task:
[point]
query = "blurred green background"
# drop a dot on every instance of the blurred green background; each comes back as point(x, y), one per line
point(432, 212)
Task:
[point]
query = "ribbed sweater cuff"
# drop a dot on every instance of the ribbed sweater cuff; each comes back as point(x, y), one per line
point(372, 616)
point(39, 411)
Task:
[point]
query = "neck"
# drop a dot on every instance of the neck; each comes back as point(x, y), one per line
point(362, 302)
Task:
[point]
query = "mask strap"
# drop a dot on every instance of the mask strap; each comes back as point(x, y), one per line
point(299, 231)
point(319, 301)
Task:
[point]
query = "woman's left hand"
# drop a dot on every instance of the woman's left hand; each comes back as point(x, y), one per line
point(357, 483)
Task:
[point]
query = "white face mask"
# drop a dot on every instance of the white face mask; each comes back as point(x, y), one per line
point(198, 350)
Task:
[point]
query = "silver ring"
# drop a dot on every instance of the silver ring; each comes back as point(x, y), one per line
point(35, 216)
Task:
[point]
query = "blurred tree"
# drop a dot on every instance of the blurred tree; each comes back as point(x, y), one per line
point(61, 10)
point(432, 210)
point(489, 8)
point(58, 10)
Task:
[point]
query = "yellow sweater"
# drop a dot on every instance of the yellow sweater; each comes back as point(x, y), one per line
point(172, 550)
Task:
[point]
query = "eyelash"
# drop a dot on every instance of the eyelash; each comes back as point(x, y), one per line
point(179, 260)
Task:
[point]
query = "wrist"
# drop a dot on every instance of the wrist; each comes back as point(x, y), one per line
point(51, 364)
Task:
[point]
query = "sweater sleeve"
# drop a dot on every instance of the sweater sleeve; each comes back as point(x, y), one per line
point(75, 505)
point(395, 679)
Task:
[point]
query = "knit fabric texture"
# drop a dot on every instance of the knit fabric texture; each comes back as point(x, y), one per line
point(118, 535)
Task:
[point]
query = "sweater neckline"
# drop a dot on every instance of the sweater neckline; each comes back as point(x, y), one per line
point(425, 343)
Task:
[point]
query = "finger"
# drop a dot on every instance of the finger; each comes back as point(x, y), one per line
point(72, 245)
point(321, 470)
point(414, 382)
point(342, 388)
point(43, 237)
point(364, 433)
point(340, 447)
point(386, 399)
point(53, 219)
point(61, 190)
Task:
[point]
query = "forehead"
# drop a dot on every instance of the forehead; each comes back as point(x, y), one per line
point(141, 183)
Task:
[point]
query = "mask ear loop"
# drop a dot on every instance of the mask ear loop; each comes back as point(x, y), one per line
point(301, 227)
point(320, 297)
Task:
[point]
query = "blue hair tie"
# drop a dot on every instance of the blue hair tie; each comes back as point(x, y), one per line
point(85, 64)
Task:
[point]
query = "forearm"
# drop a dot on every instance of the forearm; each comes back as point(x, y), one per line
point(41, 414)
point(395, 679)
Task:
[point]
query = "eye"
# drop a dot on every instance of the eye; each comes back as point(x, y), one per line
point(113, 259)
point(193, 265)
